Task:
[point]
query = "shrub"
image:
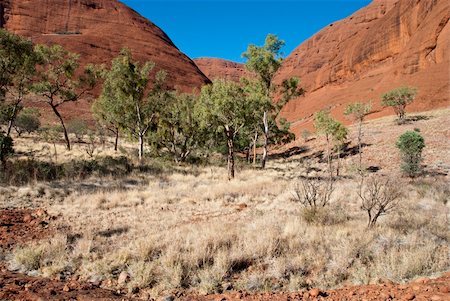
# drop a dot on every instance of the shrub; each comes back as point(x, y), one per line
point(398, 99)
point(411, 144)
point(6, 147)
point(379, 197)
point(27, 121)
point(312, 194)
point(77, 127)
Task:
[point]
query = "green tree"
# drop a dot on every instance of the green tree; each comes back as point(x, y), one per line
point(106, 111)
point(27, 121)
point(178, 129)
point(59, 80)
point(265, 61)
point(339, 135)
point(6, 148)
point(223, 109)
point(78, 127)
point(137, 106)
point(357, 112)
point(333, 131)
point(411, 144)
point(398, 99)
point(17, 67)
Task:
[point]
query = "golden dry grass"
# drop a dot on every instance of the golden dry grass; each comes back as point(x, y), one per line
point(190, 228)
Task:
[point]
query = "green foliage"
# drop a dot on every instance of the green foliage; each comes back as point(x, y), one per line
point(78, 127)
point(27, 121)
point(224, 111)
point(411, 144)
point(17, 63)
point(332, 130)
point(127, 99)
point(21, 172)
point(265, 60)
point(222, 107)
point(358, 110)
point(324, 123)
point(6, 147)
point(398, 99)
point(178, 128)
point(339, 134)
point(59, 82)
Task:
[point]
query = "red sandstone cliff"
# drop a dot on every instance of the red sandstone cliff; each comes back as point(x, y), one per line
point(97, 30)
point(387, 44)
point(215, 68)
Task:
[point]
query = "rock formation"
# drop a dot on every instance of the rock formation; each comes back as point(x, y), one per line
point(98, 30)
point(387, 44)
point(215, 68)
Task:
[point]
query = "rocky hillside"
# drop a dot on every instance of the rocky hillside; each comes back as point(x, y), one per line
point(387, 44)
point(97, 30)
point(215, 68)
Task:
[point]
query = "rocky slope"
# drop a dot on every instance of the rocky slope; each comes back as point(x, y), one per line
point(215, 68)
point(97, 30)
point(387, 44)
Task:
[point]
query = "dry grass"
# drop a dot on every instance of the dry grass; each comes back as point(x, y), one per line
point(200, 231)
point(192, 229)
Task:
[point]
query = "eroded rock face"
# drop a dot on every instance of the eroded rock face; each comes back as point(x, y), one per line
point(215, 68)
point(380, 47)
point(97, 30)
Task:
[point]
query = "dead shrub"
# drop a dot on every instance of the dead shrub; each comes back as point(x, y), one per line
point(313, 194)
point(379, 197)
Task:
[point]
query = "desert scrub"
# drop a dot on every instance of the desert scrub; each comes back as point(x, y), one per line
point(194, 230)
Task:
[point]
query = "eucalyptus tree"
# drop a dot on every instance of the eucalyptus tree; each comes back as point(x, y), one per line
point(178, 130)
point(224, 110)
point(357, 112)
point(17, 67)
point(398, 99)
point(265, 61)
point(60, 81)
point(134, 96)
point(334, 131)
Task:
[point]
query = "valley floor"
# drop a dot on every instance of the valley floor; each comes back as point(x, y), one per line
point(189, 233)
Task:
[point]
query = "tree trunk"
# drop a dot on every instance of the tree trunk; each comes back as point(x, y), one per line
point(11, 120)
point(141, 146)
point(329, 157)
point(360, 146)
point(66, 136)
point(116, 140)
point(230, 161)
point(266, 140)
point(254, 147)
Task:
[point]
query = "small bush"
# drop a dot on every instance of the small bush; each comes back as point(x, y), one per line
point(6, 147)
point(27, 121)
point(77, 127)
point(411, 144)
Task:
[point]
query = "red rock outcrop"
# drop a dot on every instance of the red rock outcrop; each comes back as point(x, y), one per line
point(98, 30)
point(387, 44)
point(215, 68)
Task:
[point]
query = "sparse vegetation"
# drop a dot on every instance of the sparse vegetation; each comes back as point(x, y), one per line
point(153, 226)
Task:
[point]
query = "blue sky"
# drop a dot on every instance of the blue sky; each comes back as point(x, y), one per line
point(221, 28)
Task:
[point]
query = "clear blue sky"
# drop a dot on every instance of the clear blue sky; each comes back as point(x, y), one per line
point(220, 28)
